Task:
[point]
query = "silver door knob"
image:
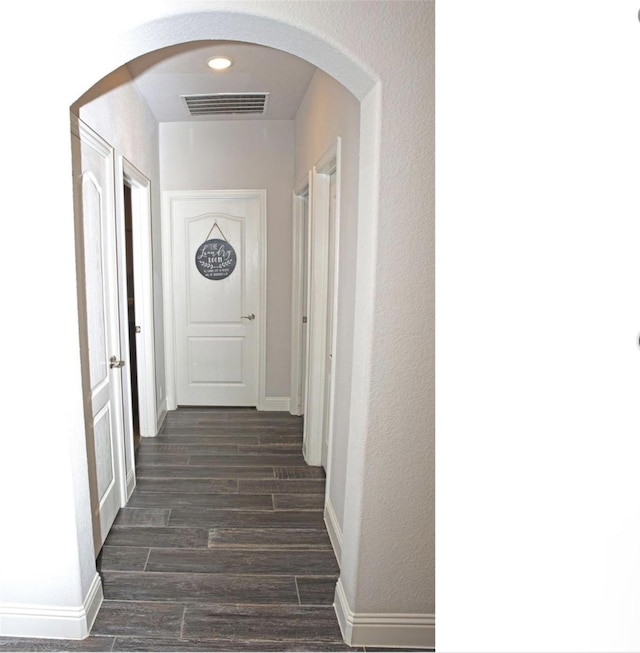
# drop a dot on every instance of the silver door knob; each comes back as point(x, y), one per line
point(114, 362)
point(251, 316)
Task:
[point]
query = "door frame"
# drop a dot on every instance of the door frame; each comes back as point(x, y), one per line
point(142, 256)
point(317, 305)
point(168, 197)
point(299, 308)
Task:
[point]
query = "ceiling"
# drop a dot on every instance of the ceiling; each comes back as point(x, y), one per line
point(163, 76)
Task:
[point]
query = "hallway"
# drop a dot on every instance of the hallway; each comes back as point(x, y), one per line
point(222, 546)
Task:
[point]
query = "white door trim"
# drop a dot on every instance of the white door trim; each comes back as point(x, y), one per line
point(317, 315)
point(301, 209)
point(168, 196)
point(143, 289)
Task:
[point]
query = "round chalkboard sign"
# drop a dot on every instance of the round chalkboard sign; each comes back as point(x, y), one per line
point(216, 259)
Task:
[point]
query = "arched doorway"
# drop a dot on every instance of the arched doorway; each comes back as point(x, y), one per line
point(198, 156)
point(169, 282)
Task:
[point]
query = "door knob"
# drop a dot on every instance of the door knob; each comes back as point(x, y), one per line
point(251, 316)
point(114, 362)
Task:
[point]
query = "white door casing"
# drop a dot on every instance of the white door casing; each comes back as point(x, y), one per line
point(299, 297)
point(216, 327)
point(142, 256)
point(98, 301)
point(330, 342)
point(323, 271)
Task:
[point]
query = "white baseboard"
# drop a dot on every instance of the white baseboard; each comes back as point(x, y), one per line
point(52, 622)
point(389, 630)
point(162, 414)
point(334, 529)
point(131, 483)
point(280, 404)
point(274, 404)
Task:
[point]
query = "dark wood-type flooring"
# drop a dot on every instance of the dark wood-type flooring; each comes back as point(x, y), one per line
point(222, 546)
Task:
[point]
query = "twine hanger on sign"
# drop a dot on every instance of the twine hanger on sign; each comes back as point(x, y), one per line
point(215, 224)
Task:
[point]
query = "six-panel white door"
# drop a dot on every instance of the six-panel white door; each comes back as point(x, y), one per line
point(95, 215)
point(217, 321)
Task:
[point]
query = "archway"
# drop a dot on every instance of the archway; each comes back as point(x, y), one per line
point(222, 33)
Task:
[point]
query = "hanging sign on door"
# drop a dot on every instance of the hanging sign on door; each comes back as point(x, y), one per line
point(216, 259)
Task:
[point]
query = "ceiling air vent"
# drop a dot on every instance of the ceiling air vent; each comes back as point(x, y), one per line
point(224, 104)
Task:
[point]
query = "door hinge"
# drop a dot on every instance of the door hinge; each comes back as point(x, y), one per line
point(304, 320)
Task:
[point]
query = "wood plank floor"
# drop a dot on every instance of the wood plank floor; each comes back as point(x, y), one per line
point(222, 546)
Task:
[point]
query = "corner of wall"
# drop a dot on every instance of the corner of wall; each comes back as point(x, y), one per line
point(52, 622)
point(383, 629)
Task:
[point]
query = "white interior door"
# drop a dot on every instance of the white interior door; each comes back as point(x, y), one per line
point(98, 292)
point(216, 269)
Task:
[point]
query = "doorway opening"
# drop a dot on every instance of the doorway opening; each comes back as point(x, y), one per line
point(321, 247)
point(321, 380)
point(136, 303)
point(131, 312)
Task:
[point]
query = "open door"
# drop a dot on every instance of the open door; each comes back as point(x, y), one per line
point(102, 362)
point(136, 308)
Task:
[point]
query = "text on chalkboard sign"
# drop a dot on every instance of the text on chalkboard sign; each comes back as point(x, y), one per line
point(216, 259)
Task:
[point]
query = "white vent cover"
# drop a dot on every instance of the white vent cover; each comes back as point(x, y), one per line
point(220, 104)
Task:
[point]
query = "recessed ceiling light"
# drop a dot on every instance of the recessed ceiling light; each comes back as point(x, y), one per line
point(220, 63)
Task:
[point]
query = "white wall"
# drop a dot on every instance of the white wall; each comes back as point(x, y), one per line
point(329, 110)
point(229, 154)
point(115, 110)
